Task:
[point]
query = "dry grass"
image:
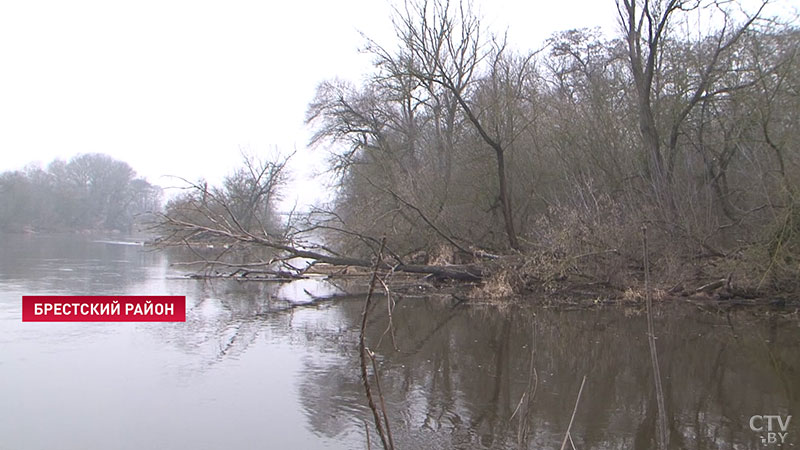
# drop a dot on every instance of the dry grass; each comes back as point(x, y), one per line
point(441, 255)
point(637, 294)
point(499, 286)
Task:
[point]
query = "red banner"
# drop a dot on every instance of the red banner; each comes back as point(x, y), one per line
point(125, 308)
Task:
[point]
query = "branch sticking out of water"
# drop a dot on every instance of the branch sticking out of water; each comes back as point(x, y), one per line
point(567, 436)
point(663, 436)
point(364, 353)
point(380, 397)
point(526, 401)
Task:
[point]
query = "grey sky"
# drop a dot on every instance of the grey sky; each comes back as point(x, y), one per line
point(179, 87)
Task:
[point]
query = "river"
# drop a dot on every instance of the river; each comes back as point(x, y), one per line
point(256, 366)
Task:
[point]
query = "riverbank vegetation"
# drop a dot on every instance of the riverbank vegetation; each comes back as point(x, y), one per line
point(536, 171)
point(90, 192)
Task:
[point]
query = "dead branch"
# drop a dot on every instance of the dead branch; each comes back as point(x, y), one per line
point(364, 352)
point(464, 272)
point(574, 410)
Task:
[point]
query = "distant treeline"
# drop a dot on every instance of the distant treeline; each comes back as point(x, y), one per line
point(90, 192)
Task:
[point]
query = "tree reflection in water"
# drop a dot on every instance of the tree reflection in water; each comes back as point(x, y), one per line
point(461, 369)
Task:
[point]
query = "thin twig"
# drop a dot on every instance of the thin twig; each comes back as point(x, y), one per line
point(380, 397)
point(366, 431)
point(362, 350)
point(528, 396)
point(574, 410)
point(571, 443)
point(519, 404)
point(663, 437)
point(389, 308)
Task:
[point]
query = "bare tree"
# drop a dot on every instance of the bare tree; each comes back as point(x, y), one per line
point(446, 47)
point(244, 204)
point(645, 26)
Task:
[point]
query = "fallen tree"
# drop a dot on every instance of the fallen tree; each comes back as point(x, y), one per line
point(239, 218)
point(183, 233)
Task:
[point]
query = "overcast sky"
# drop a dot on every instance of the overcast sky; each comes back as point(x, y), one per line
point(180, 87)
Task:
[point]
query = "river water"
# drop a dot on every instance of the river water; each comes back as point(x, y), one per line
point(256, 366)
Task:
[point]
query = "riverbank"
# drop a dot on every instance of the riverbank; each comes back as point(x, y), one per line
point(510, 287)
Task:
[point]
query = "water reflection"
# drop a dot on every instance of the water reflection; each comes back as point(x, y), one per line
point(461, 371)
point(257, 365)
point(73, 263)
